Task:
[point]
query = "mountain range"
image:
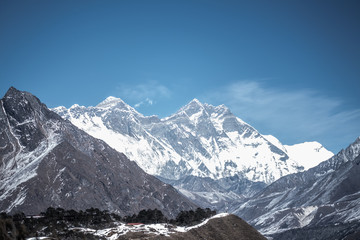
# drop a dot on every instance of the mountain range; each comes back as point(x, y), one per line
point(219, 161)
point(47, 161)
point(198, 140)
point(205, 151)
point(202, 155)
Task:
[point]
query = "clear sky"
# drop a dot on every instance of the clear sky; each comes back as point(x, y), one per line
point(288, 68)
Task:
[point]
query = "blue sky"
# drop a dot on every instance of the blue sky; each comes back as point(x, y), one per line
point(288, 68)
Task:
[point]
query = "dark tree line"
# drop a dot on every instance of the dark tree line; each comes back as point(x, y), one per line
point(55, 222)
point(91, 216)
point(187, 218)
point(147, 217)
point(184, 218)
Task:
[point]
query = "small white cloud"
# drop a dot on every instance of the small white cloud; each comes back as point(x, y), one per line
point(137, 105)
point(147, 101)
point(147, 93)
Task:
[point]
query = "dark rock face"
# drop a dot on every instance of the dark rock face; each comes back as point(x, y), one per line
point(47, 161)
point(326, 195)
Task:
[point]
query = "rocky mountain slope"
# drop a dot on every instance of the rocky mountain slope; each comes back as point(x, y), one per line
point(47, 161)
point(218, 194)
point(324, 196)
point(199, 140)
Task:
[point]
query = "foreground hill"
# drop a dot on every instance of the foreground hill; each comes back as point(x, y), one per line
point(93, 224)
point(228, 227)
point(47, 161)
point(219, 227)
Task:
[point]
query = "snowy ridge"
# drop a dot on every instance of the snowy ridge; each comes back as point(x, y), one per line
point(275, 142)
point(199, 140)
point(308, 154)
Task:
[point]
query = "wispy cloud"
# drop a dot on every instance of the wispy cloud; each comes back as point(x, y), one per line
point(147, 93)
point(295, 115)
point(146, 101)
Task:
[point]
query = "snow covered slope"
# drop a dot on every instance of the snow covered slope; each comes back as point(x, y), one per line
point(199, 140)
point(307, 154)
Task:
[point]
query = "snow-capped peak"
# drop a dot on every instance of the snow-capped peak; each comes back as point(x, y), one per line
point(110, 102)
point(76, 106)
point(60, 108)
point(195, 101)
point(192, 105)
point(222, 106)
point(308, 154)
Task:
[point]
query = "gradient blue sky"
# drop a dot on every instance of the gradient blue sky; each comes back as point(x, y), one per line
point(288, 68)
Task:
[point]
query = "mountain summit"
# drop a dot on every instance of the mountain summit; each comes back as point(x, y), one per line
point(112, 102)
